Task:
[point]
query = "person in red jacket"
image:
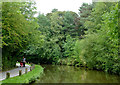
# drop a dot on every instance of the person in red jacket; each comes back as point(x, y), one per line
point(21, 64)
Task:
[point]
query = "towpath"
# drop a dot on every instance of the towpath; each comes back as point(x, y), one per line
point(14, 72)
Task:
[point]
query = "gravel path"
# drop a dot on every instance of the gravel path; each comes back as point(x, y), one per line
point(14, 72)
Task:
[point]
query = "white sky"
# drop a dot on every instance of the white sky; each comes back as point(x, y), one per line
point(46, 6)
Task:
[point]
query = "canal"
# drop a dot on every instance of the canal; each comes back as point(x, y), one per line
point(71, 74)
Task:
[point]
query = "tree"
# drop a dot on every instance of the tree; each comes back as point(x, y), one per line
point(84, 12)
point(54, 10)
point(15, 31)
point(99, 50)
point(95, 19)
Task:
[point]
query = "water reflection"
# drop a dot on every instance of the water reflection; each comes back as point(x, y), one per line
point(69, 74)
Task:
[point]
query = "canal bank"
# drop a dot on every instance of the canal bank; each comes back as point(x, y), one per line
point(25, 78)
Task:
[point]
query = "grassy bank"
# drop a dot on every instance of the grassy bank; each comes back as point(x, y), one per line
point(26, 78)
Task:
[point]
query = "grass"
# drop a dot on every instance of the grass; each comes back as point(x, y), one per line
point(26, 78)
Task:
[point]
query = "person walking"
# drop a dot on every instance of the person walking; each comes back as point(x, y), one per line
point(24, 62)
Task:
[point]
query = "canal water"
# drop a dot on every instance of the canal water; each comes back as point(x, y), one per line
point(71, 74)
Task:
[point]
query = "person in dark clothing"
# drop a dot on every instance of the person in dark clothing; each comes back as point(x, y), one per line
point(24, 62)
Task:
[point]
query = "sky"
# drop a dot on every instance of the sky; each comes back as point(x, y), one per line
point(46, 6)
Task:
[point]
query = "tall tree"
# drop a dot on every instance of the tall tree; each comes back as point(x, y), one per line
point(15, 31)
point(84, 13)
point(94, 21)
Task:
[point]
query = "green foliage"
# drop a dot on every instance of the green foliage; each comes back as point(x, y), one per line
point(84, 13)
point(94, 20)
point(16, 30)
point(68, 46)
point(89, 39)
point(99, 50)
point(54, 10)
point(57, 31)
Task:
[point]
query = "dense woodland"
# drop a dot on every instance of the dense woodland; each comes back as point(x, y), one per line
point(88, 39)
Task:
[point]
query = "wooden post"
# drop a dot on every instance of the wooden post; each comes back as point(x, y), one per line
point(30, 68)
point(25, 70)
point(7, 75)
point(20, 72)
point(33, 66)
